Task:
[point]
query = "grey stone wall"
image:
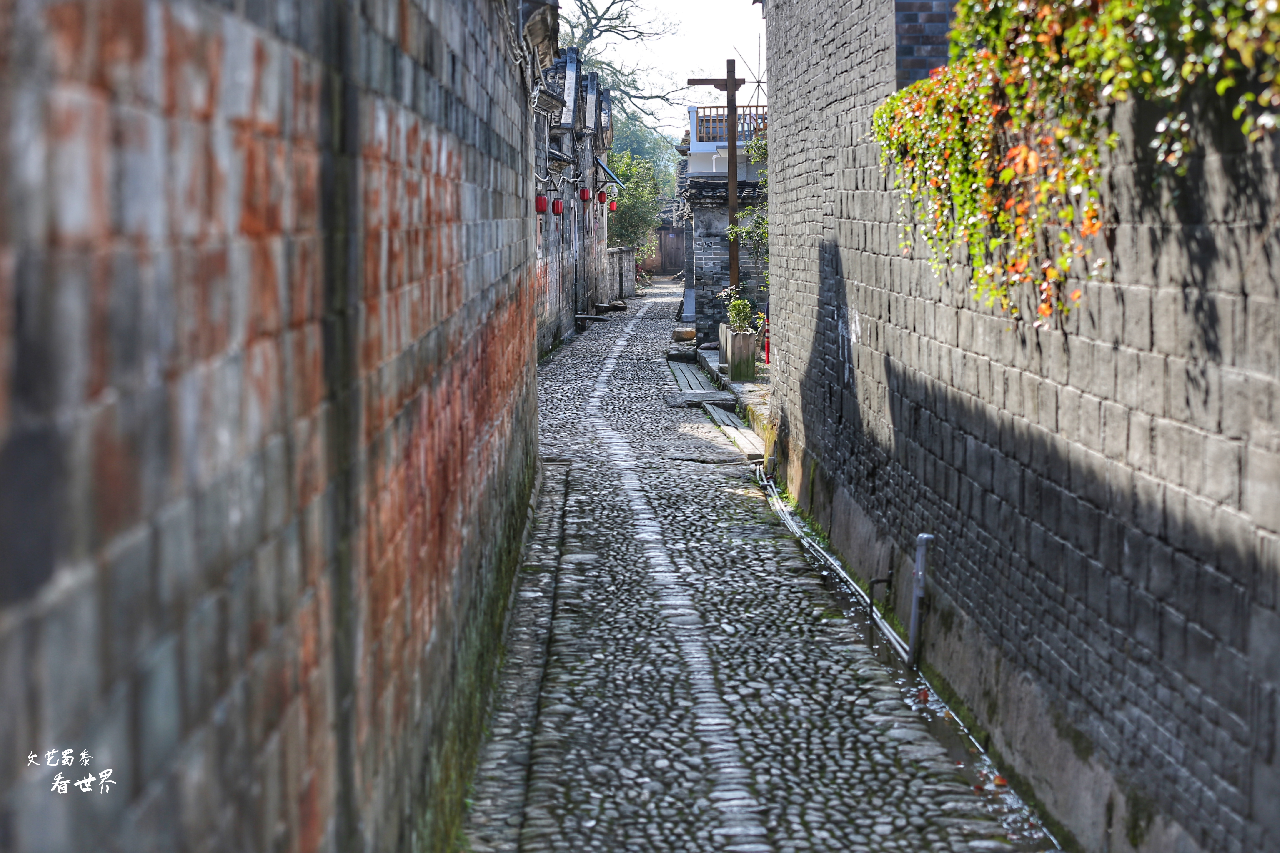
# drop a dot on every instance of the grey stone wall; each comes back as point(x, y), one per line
point(710, 262)
point(267, 415)
point(1106, 497)
point(921, 37)
point(572, 270)
point(622, 274)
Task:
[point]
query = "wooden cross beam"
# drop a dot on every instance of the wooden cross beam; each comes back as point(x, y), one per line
point(730, 85)
point(722, 85)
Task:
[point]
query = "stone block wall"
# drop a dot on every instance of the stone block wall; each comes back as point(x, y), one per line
point(267, 414)
point(1104, 580)
point(711, 272)
point(921, 37)
point(622, 273)
point(572, 272)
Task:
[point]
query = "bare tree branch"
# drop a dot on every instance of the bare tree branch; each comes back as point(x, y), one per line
point(587, 21)
point(590, 25)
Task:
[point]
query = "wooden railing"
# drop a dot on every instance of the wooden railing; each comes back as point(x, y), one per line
point(712, 122)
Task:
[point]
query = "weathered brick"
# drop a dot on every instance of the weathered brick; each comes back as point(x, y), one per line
point(159, 708)
point(69, 680)
point(1151, 438)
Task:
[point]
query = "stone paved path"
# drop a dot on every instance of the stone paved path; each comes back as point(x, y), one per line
point(677, 678)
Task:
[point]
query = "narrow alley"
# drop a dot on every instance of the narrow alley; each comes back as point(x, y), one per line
point(563, 426)
point(677, 677)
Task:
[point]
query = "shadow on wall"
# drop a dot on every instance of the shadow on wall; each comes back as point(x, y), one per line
point(1070, 593)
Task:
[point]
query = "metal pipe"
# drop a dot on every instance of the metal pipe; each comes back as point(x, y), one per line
point(917, 593)
point(871, 599)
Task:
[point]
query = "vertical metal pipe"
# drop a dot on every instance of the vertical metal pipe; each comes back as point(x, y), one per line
point(917, 593)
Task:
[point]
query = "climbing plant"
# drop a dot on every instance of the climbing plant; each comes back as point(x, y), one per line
point(999, 153)
point(752, 229)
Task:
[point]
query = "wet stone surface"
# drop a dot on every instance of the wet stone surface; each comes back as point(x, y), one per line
point(700, 689)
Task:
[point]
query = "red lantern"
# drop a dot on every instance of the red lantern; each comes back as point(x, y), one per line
point(557, 207)
point(601, 197)
point(613, 205)
point(584, 194)
point(540, 204)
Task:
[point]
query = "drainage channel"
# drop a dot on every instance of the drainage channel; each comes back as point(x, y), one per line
point(1024, 829)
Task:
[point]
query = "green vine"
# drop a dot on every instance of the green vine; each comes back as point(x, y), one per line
point(753, 228)
point(999, 153)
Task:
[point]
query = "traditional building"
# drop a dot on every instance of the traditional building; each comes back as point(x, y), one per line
point(573, 134)
point(704, 187)
point(669, 250)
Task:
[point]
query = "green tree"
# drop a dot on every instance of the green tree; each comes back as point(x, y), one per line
point(632, 135)
point(633, 222)
point(591, 26)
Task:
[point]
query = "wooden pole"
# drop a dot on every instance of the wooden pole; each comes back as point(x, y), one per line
point(729, 85)
point(733, 168)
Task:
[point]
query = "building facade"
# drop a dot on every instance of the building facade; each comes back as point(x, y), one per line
point(704, 187)
point(270, 307)
point(1103, 582)
point(573, 133)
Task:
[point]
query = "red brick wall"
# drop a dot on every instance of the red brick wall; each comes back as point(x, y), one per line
point(267, 414)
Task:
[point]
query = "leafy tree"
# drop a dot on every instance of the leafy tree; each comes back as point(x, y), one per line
point(633, 136)
point(633, 222)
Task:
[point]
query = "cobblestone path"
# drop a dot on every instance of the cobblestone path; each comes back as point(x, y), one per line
point(677, 678)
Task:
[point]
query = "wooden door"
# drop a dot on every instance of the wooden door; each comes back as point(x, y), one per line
point(672, 248)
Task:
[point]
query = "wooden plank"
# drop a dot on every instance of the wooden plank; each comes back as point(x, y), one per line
point(700, 379)
point(681, 373)
point(690, 378)
point(746, 440)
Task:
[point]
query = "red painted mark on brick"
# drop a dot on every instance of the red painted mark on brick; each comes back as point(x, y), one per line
point(264, 290)
point(263, 190)
point(80, 154)
point(193, 64)
point(116, 491)
point(308, 369)
point(210, 297)
point(69, 35)
point(305, 162)
point(122, 46)
point(305, 280)
point(263, 411)
point(310, 477)
point(373, 262)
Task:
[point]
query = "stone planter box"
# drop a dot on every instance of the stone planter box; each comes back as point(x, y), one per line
point(738, 351)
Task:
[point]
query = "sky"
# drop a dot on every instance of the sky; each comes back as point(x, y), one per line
point(706, 33)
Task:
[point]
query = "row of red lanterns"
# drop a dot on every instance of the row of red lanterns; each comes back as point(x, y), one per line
point(557, 206)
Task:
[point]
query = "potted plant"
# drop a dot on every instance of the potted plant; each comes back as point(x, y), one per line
point(738, 337)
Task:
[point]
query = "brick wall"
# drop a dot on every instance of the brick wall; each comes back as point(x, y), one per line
point(711, 272)
point(1103, 593)
point(267, 414)
point(572, 270)
point(921, 37)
